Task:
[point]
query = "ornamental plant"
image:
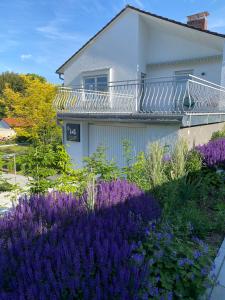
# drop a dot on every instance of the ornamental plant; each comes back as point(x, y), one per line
point(213, 153)
point(179, 263)
point(53, 247)
point(218, 134)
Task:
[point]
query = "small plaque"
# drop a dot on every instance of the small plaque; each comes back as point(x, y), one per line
point(73, 132)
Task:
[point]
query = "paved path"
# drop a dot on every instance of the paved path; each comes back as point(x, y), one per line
point(6, 198)
point(8, 145)
point(218, 292)
point(21, 180)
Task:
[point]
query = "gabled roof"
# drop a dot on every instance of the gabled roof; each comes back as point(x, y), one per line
point(16, 122)
point(142, 12)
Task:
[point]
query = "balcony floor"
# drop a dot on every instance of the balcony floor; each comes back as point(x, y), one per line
point(185, 120)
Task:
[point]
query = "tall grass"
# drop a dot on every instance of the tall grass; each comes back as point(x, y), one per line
point(154, 166)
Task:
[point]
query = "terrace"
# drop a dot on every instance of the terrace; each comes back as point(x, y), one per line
point(164, 97)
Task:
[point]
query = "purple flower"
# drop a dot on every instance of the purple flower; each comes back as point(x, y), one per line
point(181, 262)
point(52, 247)
point(197, 254)
point(167, 157)
point(204, 271)
point(151, 261)
point(170, 296)
point(138, 258)
point(213, 153)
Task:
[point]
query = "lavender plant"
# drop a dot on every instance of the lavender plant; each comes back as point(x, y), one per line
point(53, 248)
point(213, 153)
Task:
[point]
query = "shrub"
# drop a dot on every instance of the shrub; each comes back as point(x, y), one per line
point(98, 164)
point(213, 153)
point(193, 162)
point(137, 172)
point(179, 264)
point(52, 247)
point(218, 134)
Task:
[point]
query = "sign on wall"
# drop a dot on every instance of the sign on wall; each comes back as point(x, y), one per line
point(73, 132)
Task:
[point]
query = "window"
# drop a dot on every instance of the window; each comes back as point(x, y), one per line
point(89, 83)
point(96, 83)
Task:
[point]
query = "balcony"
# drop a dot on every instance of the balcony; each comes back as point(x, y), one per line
point(179, 95)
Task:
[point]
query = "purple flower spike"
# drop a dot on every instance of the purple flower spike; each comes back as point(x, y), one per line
point(52, 247)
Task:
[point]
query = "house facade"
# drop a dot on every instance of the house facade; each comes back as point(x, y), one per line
point(142, 78)
point(6, 131)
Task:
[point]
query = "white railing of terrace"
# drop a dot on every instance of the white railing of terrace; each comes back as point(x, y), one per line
point(175, 95)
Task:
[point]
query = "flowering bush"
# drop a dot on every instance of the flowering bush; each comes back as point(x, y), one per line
point(179, 264)
point(52, 247)
point(213, 153)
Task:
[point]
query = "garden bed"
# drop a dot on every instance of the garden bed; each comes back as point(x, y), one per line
point(153, 235)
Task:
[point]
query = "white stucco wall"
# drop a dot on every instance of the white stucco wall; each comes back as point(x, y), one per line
point(112, 135)
point(133, 42)
point(143, 41)
point(199, 135)
point(77, 150)
point(162, 42)
point(5, 130)
point(211, 69)
point(169, 42)
point(114, 50)
point(223, 67)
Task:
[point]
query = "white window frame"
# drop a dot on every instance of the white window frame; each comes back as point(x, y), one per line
point(95, 77)
point(94, 73)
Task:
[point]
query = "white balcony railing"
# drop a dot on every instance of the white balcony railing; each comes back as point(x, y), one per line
point(176, 95)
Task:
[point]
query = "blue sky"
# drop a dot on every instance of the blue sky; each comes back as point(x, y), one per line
point(37, 36)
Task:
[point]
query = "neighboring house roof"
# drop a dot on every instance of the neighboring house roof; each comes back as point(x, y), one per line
point(16, 122)
point(145, 13)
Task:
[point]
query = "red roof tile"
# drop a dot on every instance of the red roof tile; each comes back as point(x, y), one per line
point(16, 122)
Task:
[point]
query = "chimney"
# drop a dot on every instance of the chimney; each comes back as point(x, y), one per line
point(199, 20)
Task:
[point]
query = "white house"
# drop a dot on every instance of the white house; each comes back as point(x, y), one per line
point(143, 78)
point(6, 131)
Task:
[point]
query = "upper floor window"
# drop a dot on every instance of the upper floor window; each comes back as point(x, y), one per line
point(96, 83)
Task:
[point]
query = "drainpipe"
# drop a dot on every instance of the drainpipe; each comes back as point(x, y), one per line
point(61, 78)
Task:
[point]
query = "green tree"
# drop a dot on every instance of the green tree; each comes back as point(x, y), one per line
point(36, 76)
point(13, 81)
point(34, 105)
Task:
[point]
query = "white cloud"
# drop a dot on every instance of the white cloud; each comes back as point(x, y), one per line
point(52, 31)
point(25, 56)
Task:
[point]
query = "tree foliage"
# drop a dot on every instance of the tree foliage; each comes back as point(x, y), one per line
point(34, 105)
point(13, 81)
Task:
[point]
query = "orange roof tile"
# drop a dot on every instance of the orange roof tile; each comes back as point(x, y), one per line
point(16, 122)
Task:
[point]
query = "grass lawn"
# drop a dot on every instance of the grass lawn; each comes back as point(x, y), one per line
point(17, 149)
point(8, 162)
